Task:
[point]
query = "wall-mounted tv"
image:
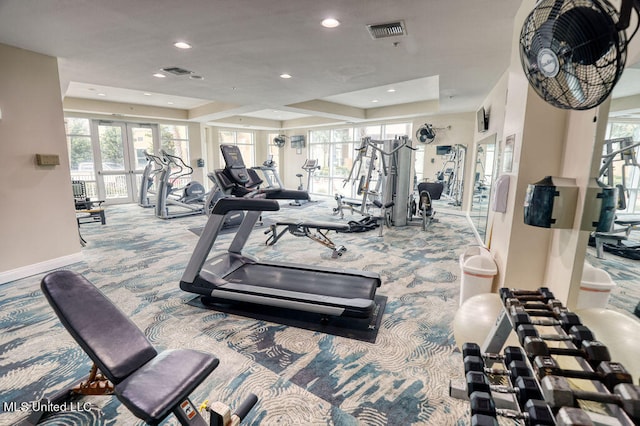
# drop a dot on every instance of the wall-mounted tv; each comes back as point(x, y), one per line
point(443, 149)
point(483, 120)
point(297, 141)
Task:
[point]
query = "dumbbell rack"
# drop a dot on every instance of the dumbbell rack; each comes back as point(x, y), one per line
point(541, 303)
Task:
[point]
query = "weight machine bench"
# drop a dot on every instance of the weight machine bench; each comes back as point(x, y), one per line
point(316, 231)
point(151, 385)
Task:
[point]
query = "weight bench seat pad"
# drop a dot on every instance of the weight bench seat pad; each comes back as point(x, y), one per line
point(329, 226)
point(152, 391)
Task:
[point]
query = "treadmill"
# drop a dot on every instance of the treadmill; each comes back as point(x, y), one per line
point(232, 276)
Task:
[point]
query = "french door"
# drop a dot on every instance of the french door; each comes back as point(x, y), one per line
point(118, 149)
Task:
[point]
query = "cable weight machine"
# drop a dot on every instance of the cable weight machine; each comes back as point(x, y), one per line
point(390, 190)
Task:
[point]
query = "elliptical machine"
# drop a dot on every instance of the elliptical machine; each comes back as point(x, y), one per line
point(310, 166)
point(148, 184)
point(191, 197)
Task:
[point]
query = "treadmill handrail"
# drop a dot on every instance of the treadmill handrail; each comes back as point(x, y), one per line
point(226, 205)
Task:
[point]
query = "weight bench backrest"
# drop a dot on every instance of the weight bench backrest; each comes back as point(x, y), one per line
point(433, 188)
point(110, 339)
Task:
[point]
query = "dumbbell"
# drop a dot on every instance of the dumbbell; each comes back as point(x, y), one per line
point(483, 408)
point(519, 316)
point(609, 373)
point(571, 416)
point(511, 353)
point(550, 306)
point(543, 294)
point(575, 334)
point(558, 393)
point(592, 351)
point(513, 369)
point(524, 388)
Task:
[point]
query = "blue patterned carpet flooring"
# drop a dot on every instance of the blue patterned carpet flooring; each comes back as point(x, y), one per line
point(300, 376)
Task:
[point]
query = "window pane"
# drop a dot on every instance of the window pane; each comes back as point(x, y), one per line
point(373, 132)
point(142, 141)
point(342, 135)
point(247, 154)
point(77, 126)
point(111, 147)
point(80, 154)
point(399, 129)
point(175, 140)
point(227, 137)
point(244, 138)
point(319, 136)
point(320, 152)
point(320, 185)
point(343, 154)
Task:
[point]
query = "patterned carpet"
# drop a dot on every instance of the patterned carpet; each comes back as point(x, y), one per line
point(300, 376)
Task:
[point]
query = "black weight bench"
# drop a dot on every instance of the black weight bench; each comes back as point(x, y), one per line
point(316, 231)
point(151, 385)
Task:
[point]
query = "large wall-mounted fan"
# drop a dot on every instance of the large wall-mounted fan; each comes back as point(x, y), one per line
point(425, 134)
point(573, 51)
point(279, 141)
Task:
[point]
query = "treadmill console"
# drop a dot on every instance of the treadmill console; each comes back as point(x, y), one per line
point(234, 163)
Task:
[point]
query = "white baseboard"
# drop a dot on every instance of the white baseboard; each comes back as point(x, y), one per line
point(38, 268)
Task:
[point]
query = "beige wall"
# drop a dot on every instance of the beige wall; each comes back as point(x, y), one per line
point(38, 219)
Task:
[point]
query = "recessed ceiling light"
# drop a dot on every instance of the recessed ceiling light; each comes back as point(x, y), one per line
point(391, 90)
point(147, 94)
point(101, 94)
point(375, 100)
point(170, 103)
point(330, 23)
point(159, 75)
point(182, 45)
point(285, 75)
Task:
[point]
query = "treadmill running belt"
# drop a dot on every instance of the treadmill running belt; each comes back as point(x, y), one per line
point(309, 281)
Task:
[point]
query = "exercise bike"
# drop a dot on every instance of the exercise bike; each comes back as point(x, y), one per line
point(309, 166)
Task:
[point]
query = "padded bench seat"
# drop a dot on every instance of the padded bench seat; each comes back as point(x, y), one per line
point(154, 389)
point(329, 226)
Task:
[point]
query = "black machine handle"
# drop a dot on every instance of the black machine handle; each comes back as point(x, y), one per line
point(226, 205)
point(246, 406)
point(283, 194)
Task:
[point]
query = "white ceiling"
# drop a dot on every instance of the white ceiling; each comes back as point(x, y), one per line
point(454, 53)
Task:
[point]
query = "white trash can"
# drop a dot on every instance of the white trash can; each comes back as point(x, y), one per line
point(478, 269)
point(595, 288)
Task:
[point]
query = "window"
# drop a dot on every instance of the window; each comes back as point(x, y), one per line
point(81, 152)
point(174, 139)
point(244, 141)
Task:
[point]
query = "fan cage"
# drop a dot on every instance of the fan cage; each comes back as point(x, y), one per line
point(588, 70)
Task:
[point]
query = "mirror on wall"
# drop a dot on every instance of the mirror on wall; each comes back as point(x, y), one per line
point(483, 178)
point(444, 164)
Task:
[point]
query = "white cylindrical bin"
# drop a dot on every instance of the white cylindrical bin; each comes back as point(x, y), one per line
point(595, 288)
point(478, 269)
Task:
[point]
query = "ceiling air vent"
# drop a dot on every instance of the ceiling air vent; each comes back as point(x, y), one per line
point(390, 29)
point(177, 71)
